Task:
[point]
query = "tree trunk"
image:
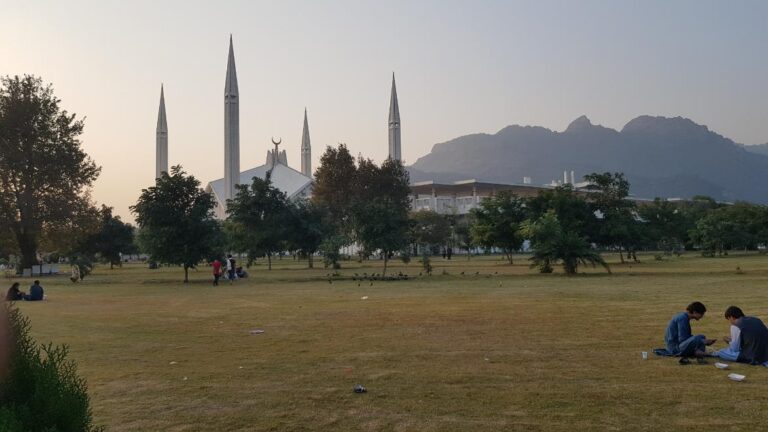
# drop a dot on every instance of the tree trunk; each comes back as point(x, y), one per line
point(186, 274)
point(111, 265)
point(310, 263)
point(386, 258)
point(28, 248)
point(509, 257)
point(269, 261)
point(621, 255)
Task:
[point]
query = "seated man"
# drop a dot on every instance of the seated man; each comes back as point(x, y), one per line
point(36, 292)
point(749, 339)
point(680, 342)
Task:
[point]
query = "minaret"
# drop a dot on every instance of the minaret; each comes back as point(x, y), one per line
point(231, 127)
point(306, 149)
point(394, 124)
point(161, 139)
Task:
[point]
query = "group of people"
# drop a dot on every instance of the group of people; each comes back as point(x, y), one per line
point(230, 271)
point(747, 343)
point(36, 293)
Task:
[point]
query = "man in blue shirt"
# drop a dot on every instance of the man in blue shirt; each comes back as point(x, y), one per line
point(36, 292)
point(678, 337)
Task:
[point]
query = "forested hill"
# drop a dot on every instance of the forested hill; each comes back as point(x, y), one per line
point(666, 157)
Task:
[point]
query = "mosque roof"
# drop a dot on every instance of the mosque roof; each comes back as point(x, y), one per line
point(285, 178)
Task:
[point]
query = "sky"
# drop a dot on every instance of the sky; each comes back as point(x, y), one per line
point(461, 67)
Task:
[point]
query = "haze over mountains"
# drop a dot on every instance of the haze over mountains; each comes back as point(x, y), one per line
point(664, 157)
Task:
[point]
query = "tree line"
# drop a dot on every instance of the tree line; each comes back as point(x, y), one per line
point(356, 206)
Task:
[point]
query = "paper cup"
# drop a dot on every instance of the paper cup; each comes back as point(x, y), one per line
point(645, 355)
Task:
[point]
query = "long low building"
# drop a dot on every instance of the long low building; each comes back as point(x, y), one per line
point(462, 196)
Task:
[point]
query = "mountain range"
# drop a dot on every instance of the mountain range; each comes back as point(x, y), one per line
point(660, 156)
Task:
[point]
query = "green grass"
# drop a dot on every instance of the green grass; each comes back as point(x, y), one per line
point(509, 351)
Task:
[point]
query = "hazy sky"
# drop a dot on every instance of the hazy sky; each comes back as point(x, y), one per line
point(461, 66)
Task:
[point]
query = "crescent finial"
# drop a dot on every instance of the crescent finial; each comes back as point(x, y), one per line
point(279, 140)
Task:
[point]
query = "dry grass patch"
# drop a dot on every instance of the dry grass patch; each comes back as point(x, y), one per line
point(507, 349)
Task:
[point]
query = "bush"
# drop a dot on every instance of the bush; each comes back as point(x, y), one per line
point(40, 391)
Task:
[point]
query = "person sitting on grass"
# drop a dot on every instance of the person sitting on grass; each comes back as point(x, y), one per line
point(748, 342)
point(36, 292)
point(680, 342)
point(14, 294)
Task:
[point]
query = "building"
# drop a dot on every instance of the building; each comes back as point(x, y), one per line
point(459, 198)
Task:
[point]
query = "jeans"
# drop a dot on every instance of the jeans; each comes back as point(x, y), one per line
point(729, 354)
point(688, 347)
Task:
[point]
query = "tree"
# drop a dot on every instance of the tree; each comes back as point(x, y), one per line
point(334, 186)
point(429, 229)
point(43, 170)
point(306, 228)
point(381, 204)
point(114, 238)
point(260, 214)
point(665, 225)
point(572, 210)
point(618, 226)
point(176, 221)
point(498, 221)
point(552, 244)
point(463, 233)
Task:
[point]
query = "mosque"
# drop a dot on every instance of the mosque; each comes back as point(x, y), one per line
point(295, 184)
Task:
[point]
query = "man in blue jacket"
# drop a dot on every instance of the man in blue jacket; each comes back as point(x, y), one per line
point(680, 342)
point(36, 292)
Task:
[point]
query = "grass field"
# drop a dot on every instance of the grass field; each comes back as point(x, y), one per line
point(508, 349)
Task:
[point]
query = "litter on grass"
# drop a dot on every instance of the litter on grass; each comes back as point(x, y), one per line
point(359, 389)
point(173, 363)
point(364, 298)
point(721, 365)
point(257, 331)
point(737, 377)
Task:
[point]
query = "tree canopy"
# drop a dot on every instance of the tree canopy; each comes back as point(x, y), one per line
point(260, 215)
point(498, 221)
point(176, 221)
point(44, 172)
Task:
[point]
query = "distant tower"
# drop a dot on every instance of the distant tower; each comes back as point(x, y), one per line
point(306, 149)
point(231, 127)
point(161, 139)
point(394, 124)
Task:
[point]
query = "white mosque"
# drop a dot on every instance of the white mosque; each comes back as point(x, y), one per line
point(294, 183)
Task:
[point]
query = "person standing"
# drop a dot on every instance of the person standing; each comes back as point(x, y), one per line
point(680, 342)
point(216, 271)
point(231, 269)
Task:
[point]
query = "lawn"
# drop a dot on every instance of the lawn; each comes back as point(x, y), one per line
point(506, 349)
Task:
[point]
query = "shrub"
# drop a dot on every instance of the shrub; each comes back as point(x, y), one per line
point(40, 391)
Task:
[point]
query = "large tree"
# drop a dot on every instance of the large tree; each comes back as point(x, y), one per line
point(618, 224)
point(381, 204)
point(176, 221)
point(498, 221)
point(44, 172)
point(429, 229)
point(113, 239)
point(333, 192)
point(260, 216)
point(306, 228)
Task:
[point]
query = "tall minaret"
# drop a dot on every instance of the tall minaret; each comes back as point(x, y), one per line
point(161, 139)
point(231, 127)
point(394, 124)
point(306, 149)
